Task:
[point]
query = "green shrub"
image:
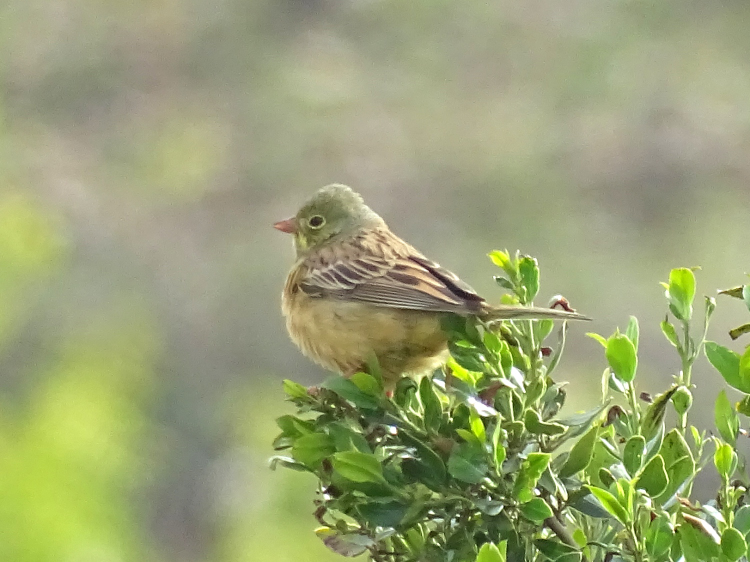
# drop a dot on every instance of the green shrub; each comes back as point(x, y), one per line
point(475, 463)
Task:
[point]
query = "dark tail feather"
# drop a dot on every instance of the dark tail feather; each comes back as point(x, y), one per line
point(505, 312)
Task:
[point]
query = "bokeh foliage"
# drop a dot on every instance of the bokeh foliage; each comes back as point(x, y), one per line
point(145, 148)
point(72, 430)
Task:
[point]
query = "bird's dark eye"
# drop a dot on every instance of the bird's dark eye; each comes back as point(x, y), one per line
point(316, 221)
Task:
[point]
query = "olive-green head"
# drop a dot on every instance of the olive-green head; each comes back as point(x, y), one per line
point(335, 211)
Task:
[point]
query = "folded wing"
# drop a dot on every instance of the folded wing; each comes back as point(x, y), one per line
point(379, 268)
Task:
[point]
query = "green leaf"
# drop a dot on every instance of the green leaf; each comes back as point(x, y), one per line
point(624, 490)
point(345, 544)
point(713, 513)
point(467, 358)
point(286, 462)
point(654, 478)
point(294, 390)
point(733, 544)
point(432, 471)
point(454, 325)
point(587, 504)
point(500, 455)
point(621, 357)
point(570, 557)
point(350, 391)
point(490, 553)
point(531, 470)
point(504, 283)
point(743, 406)
point(506, 359)
point(358, 467)
point(681, 292)
point(610, 503)
point(742, 520)
point(346, 439)
point(727, 362)
point(462, 380)
point(535, 465)
point(746, 295)
point(469, 437)
point(653, 445)
point(433, 408)
point(535, 390)
point(489, 507)
point(467, 463)
point(735, 292)
point(543, 328)
point(735, 333)
point(366, 383)
point(579, 423)
point(613, 382)
point(282, 442)
point(710, 308)
point(471, 329)
point(632, 456)
point(632, 332)
point(674, 447)
point(536, 426)
point(699, 541)
point(669, 331)
point(294, 426)
point(477, 427)
point(726, 419)
point(581, 454)
point(311, 449)
point(682, 400)
point(598, 338)
point(528, 268)
point(552, 401)
point(698, 438)
point(536, 510)
point(655, 413)
point(659, 537)
point(373, 369)
point(405, 393)
point(492, 342)
point(383, 514)
point(725, 460)
point(503, 261)
point(554, 549)
point(497, 445)
point(678, 472)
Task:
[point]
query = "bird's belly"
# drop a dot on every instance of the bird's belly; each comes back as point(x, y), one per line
point(342, 335)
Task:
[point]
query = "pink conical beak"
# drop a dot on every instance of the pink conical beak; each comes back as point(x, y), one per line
point(289, 225)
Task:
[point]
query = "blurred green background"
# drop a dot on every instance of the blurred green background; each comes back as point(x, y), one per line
point(146, 148)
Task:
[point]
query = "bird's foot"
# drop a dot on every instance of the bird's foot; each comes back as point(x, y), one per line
point(313, 391)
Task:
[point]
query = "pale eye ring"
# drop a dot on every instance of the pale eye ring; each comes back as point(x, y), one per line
point(316, 221)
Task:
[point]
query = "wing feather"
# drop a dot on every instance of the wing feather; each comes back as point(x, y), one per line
point(378, 268)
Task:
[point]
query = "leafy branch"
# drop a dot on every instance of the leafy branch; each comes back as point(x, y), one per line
point(475, 463)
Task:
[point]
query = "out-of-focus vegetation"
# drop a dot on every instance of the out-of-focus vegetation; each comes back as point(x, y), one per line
point(146, 147)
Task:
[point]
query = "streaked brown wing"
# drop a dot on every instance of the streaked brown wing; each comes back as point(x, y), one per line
point(379, 268)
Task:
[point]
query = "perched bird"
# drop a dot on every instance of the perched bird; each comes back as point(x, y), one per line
point(358, 290)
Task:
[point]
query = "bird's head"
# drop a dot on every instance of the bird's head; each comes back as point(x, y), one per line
point(335, 211)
